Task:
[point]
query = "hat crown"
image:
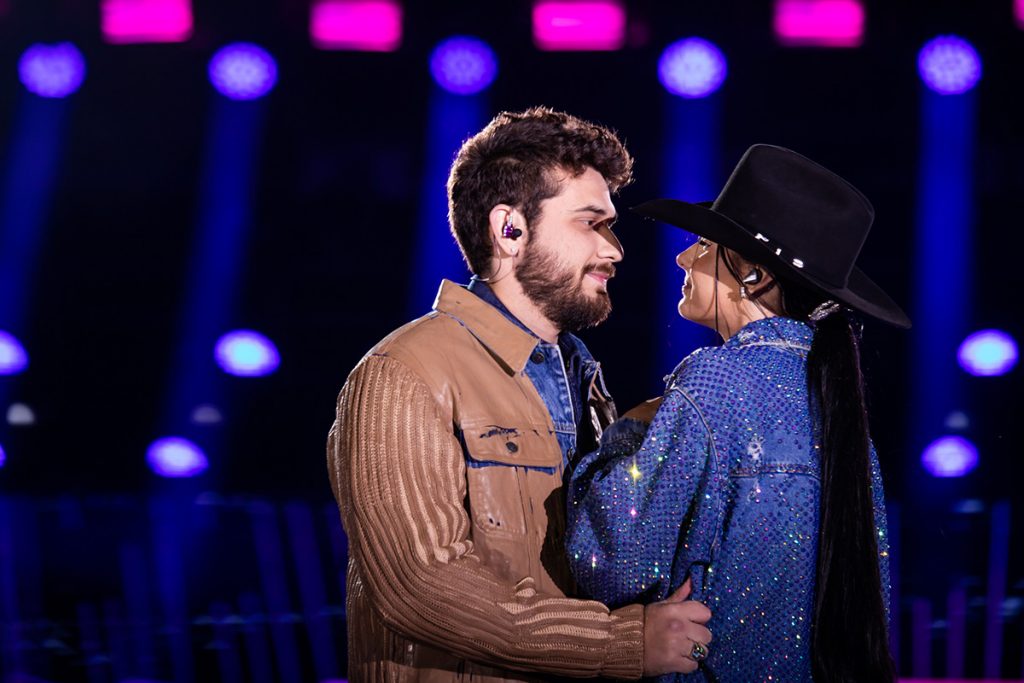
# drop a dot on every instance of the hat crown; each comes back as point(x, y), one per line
point(799, 210)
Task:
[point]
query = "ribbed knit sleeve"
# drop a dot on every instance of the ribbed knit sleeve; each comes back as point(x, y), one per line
point(398, 474)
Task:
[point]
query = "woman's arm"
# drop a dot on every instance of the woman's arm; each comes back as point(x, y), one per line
point(628, 500)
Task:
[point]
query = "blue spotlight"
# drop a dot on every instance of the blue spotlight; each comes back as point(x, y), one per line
point(949, 65)
point(3, 456)
point(53, 71)
point(245, 353)
point(463, 65)
point(692, 68)
point(175, 457)
point(988, 352)
point(243, 71)
point(13, 358)
point(950, 456)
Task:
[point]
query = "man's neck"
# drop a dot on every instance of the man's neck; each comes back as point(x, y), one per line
point(510, 293)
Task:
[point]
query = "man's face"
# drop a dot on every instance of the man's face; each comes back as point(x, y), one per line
point(570, 254)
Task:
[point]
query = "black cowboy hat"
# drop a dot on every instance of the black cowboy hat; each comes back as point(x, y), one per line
point(794, 217)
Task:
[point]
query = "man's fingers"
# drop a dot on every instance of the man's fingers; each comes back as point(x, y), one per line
point(688, 610)
point(682, 592)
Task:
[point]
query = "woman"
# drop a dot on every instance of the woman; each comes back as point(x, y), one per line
point(756, 478)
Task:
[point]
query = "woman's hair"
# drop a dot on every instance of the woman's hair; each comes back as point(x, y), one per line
point(849, 627)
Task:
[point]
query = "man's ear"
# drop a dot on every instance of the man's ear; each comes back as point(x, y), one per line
point(507, 227)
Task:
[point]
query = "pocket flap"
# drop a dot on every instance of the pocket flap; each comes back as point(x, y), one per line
point(504, 445)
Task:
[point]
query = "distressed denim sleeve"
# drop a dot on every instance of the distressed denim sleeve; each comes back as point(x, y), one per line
point(882, 529)
point(627, 502)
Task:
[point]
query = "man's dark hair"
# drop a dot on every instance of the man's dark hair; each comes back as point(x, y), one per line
point(514, 161)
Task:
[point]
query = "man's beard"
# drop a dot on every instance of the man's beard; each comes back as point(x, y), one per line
point(558, 292)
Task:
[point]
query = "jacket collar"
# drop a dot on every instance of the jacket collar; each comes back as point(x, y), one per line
point(509, 343)
point(773, 331)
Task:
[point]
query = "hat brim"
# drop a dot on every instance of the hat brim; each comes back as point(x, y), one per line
point(860, 292)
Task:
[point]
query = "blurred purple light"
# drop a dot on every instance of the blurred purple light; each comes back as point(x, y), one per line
point(819, 23)
point(176, 457)
point(3, 456)
point(949, 65)
point(463, 65)
point(692, 68)
point(146, 21)
point(246, 354)
point(243, 71)
point(988, 352)
point(366, 25)
point(13, 358)
point(594, 25)
point(950, 456)
point(52, 70)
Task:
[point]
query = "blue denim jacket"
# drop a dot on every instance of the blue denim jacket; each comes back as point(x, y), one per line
point(722, 488)
point(562, 374)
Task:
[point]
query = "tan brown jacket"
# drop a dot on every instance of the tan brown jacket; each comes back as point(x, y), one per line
point(458, 572)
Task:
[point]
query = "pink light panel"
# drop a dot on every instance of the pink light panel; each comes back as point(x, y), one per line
point(1018, 12)
point(361, 25)
point(146, 21)
point(579, 25)
point(819, 23)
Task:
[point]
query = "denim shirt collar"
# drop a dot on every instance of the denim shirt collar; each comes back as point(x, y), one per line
point(570, 344)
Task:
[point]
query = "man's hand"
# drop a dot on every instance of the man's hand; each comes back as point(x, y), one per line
point(671, 627)
point(645, 411)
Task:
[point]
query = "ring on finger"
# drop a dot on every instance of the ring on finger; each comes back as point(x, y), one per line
point(699, 652)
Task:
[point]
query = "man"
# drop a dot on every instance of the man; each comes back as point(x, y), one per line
point(453, 433)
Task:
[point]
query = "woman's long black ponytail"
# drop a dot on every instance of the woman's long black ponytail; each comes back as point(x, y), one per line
point(850, 635)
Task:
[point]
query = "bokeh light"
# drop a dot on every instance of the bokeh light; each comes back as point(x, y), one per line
point(53, 71)
point(246, 353)
point(692, 68)
point(463, 65)
point(243, 71)
point(950, 456)
point(988, 352)
point(175, 457)
point(13, 357)
point(949, 65)
point(3, 456)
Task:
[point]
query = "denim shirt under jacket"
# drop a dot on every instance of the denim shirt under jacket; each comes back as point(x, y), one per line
point(562, 373)
point(723, 488)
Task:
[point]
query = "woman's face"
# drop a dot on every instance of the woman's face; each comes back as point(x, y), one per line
point(698, 301)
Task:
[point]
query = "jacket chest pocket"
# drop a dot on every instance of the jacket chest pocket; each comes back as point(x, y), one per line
point(499, 459)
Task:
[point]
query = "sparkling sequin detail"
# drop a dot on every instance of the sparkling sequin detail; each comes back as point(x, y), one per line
point(722, 488)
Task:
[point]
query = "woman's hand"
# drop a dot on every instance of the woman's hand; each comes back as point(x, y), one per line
point(645, 411)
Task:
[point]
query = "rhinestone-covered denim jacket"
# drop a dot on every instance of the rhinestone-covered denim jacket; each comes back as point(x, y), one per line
point(721, 488)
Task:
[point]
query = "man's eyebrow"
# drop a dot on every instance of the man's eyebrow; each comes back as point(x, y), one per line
point(590, 208)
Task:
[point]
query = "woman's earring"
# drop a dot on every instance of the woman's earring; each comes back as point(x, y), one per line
point(743, 292)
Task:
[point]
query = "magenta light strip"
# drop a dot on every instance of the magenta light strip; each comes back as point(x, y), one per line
point(1018, 12)
point(146, 21)
point(819, 23)
point(358, 25)
point(579, 26)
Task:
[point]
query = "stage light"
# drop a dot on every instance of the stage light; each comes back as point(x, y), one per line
point(20, 415)
point(950, 456)
point(53, 71)
point(365, 25)
point(146, 21)
point(949, 65)
point(3, 456)
point(175, 457)
point(987, 352)
point(13, 358)
point(692, 68)
point(819, 23)
point(1018, 12)
point(243, 71)
point(245, 353)
point(206, 414)
point(463, 65)
point(579, 25)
